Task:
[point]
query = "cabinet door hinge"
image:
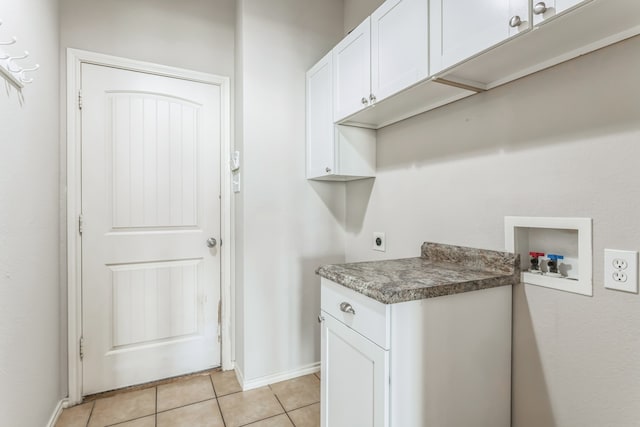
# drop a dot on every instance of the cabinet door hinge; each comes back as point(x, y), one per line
point(80, 223)
point(219, 320)
point(81, 348)
point(80, 100)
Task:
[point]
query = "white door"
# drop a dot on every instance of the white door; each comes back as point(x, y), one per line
point(320, 128)
point(399, 46)
point(462, 28)
point(150, 201)
point(354, 380)
point(352, 72)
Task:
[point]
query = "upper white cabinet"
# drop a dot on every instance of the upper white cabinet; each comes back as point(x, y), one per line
point(461, 28)
point(385, 54)
point(411, 56)
point(352, 71)
point(569, 29)
point(320, 147)
point(334, 152)
point(399, 46)
point(544, 10)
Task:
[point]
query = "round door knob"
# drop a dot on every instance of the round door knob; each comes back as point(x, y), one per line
point(364, 101)
point(212, 242)
point(372, 98)
point(515, 21)
point(327, 169)
point(539, 8)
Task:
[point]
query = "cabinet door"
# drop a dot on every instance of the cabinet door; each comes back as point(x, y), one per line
point(354, 379)
point(320, 132)
point(399, 46)
point(460, 29)
point(545, 9)
point(352, 71)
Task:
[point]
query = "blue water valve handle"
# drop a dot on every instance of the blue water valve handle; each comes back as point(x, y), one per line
point(553, 262)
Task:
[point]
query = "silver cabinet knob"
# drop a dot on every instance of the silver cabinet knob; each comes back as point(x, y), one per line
point(345, 307)
point(320, 318)
point(212, 242)
point(515, 21)
point(364, 101)
point(372, 98)
point(327, 169)
point(539, 8)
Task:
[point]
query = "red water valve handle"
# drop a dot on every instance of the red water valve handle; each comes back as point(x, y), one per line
point(536, 254)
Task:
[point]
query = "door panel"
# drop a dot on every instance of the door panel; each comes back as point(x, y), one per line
point(168, 295)
point(150, 200)
point(154, 180)
point(462, 28)
point(320, 128)
point(554, 7)
point(352, 71)
point(399, 46)
point(354, 380)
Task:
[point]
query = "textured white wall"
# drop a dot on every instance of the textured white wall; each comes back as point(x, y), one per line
point(288, 226)
point(563, 142)
point(192, 34)
point(355, 11)
point(30, 347)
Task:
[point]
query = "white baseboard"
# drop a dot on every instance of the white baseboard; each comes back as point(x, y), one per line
point(275, 378)
point(56, 413)
point(239, 376)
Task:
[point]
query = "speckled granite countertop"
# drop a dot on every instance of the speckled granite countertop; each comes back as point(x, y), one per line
point(441, 270)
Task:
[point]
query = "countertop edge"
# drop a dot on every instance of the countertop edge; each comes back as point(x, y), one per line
point(362, 287)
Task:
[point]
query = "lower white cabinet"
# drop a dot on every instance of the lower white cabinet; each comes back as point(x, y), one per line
point(355, 381)
point(438, 362)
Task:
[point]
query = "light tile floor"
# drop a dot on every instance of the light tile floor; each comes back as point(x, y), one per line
point(208, 400)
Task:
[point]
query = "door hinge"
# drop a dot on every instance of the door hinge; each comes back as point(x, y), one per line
point(81, 348)
point(80, 223)
point(219, 320)
point(80, 100)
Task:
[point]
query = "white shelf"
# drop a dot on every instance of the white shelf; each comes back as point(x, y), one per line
point(517, 235)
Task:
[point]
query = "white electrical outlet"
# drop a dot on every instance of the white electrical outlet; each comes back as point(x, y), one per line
point(621, 270)
point(379, 241)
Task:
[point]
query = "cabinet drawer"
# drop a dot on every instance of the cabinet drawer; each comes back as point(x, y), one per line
point(370, 318)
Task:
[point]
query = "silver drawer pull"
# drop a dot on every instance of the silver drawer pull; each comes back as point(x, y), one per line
point(346, 308)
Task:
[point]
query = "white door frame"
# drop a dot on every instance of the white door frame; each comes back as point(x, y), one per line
point(75, 59)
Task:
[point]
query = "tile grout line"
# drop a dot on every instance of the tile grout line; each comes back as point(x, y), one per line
point(283, 408)
point(128, 421)
point(261, 420)
point(304, 406)
point(91, 413)
point(185, 405)
point(215, 393)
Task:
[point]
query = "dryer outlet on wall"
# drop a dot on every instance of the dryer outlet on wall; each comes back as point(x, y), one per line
point(379, 241)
